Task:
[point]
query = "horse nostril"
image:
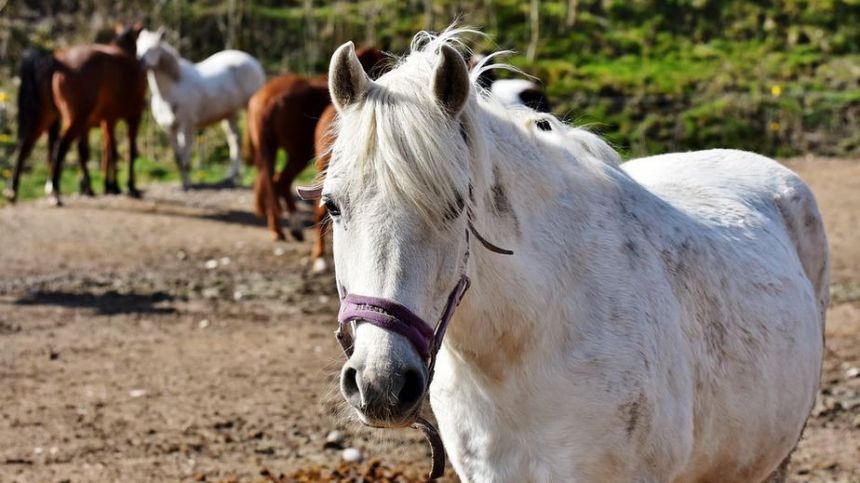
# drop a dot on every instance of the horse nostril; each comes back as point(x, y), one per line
point(412, 390)
point(349, 383)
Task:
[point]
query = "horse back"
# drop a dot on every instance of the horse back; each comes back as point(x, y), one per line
point(102, 80)
point(284, 112)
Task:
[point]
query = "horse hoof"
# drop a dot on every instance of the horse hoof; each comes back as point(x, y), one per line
point(134, 193)
point(10, 195)
point(85, 188)
point(297, 234)
point(55, 201)
point(279, 236)
point(319, 265)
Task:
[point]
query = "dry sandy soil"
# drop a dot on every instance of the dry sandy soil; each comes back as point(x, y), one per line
point(170, 340)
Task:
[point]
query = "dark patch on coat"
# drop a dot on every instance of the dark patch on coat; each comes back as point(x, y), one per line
point(632, 412)
point(632, 250)
point(500, 200)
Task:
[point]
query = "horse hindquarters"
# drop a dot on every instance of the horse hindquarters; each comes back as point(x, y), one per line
point(36, 110)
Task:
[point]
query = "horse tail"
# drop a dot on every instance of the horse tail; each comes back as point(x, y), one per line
point(37, 67)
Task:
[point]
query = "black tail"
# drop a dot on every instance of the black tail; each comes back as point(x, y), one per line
point(37, 66)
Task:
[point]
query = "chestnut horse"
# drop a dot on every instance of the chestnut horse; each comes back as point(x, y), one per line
point(283, 114)
point(68, 91)
point(323, 140)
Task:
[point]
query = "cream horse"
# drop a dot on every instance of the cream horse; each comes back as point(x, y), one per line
point(660, 321)
point(187, 97)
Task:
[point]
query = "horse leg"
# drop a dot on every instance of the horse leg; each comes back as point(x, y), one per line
point(25, 147)
point(264, 188)
point(52, 187)
point(181, 141)
point(318, 251)
point(109, 155)
point(84, 156)
point(231, 128)
point(132, 125)
point(296, 161)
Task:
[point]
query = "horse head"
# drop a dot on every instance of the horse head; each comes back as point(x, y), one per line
point(396, 198)
point(125, 37)
point(156, 54)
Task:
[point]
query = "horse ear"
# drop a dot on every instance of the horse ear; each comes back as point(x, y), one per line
point(451, 80)
point(347, 81)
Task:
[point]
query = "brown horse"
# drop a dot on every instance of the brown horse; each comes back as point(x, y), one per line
point(283, 114)
point(68, 91)
point(323, 139)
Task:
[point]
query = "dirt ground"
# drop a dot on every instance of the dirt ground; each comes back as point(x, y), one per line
point(170, 339)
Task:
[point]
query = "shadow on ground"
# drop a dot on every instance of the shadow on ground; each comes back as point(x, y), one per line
point(108, 303)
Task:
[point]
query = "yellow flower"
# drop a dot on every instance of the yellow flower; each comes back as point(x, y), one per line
point(3, 96)
point(7, 173)
point(776, 90)
point(774, 126)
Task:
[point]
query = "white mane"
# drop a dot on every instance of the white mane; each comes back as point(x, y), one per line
point(407, 145)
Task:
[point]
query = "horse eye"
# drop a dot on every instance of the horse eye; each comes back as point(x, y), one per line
point(331, 207)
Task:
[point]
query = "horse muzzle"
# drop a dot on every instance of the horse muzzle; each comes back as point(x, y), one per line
point(385, 395)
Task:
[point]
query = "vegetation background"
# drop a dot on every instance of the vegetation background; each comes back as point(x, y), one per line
point(780, 77)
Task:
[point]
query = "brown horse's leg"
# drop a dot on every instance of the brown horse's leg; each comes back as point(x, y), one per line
point(297, 160)
point(61, 148)
point(109, 155)
point(133, 125)
point(318, 251)
point(25, 147)
point(267, 197)
point(84, 156)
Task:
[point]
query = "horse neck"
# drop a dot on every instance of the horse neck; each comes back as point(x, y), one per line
point(162, 82)
point(545, 205)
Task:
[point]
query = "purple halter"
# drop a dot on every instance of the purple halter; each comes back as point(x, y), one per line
point(390, 315)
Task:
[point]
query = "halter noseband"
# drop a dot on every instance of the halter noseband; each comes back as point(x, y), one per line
point(392, 316)
point(389, 315)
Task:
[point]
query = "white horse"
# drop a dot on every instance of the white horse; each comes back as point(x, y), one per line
point(657, 322)
point(510, 92)
point(187, 97)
